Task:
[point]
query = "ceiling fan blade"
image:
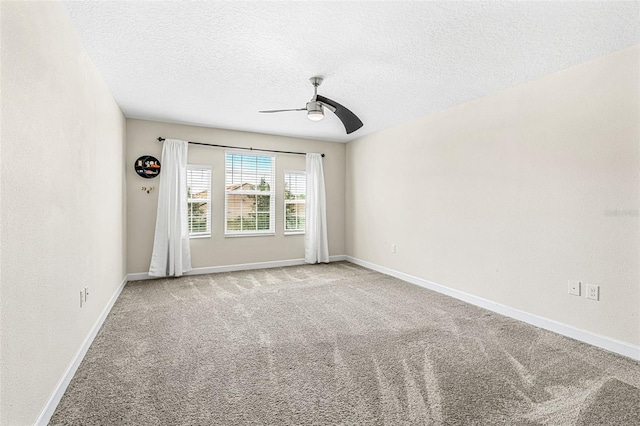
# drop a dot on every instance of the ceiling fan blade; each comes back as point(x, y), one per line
point(284, 110)
point(350, 120)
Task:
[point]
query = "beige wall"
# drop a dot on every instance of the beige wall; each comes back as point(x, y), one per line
point(63, 211)
point(514, 194)
point(218, 250)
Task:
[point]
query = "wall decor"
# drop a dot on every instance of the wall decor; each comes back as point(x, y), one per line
point(147, 166)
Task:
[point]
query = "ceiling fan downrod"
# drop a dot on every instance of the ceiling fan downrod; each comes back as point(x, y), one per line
point(314, 108)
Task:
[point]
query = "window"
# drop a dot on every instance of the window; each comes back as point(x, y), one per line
point(249, 194)
point(199, 200)
point(295, 190)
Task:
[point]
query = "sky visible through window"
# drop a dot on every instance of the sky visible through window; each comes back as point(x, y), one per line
point(241, 169)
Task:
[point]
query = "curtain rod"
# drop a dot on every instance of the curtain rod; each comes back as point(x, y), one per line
point(160, 139)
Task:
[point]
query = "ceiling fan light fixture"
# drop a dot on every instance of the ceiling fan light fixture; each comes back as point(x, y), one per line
point(315, 115)
point(314, 111)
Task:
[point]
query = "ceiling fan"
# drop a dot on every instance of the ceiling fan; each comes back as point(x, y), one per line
point(315, 109)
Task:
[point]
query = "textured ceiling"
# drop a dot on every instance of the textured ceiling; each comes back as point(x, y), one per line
point(216, 63)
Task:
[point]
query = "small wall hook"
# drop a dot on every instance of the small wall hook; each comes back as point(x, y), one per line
point(148, 188)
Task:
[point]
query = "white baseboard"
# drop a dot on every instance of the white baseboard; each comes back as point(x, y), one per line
point(61, 387)
point(237, 267)
point(603, 342)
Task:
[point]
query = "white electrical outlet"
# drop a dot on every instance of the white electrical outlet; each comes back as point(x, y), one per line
point(593, 292)
point(393, 248)
point(86, 293)
point(574, 287)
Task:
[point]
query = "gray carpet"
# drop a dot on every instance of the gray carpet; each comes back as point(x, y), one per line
point(334, 344)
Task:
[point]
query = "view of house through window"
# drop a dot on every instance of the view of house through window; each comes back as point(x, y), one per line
point(199, 200)
point(295, 190)
point(249, 194)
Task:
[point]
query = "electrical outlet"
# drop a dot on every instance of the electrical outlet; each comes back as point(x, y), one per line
point(393, 248)
point(574, 287)
point(593, 292)
point(81, 298)
point(86, 294)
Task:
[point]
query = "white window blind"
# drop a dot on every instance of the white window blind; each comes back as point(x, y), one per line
point(199, 200)
point(249, 194)
point(295, 190)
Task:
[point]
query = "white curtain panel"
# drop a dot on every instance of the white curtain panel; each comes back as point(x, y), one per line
point(316, 245)
point(171, 254)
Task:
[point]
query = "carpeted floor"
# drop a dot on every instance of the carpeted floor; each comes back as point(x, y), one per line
point(334, 344)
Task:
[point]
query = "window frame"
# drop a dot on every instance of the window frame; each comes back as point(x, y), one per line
point(285, 202)
point(271, 194)
point(206, 234)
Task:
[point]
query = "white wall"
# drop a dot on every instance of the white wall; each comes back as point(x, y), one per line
point(63, 207)
point(510, 196)
point(218, 250)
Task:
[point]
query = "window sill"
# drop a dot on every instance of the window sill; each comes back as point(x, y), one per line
point(199, 236)
point(251, 234)
point(294, 233)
